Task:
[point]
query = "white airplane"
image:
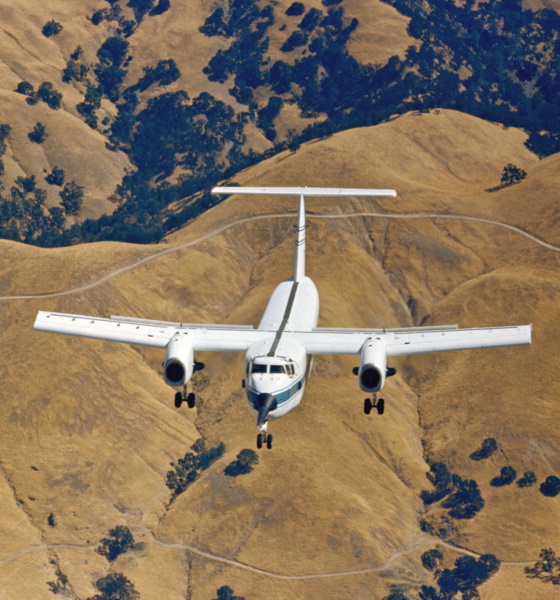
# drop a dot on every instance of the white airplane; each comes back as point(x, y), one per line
point(278, 353)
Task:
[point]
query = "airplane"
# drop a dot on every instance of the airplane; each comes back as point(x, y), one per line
point(278, 353)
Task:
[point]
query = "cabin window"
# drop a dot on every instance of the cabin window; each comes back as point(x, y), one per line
point(290, 369)
point(258, 368)
point(275, 369)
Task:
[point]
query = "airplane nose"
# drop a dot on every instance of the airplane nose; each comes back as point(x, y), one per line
point(264, 404)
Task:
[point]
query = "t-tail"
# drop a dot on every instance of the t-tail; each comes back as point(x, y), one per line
point(302, 192)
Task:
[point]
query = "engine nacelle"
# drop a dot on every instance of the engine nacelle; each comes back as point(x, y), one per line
point(373, 365)
point(179, 360)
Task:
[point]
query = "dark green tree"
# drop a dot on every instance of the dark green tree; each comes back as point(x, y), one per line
point(226, 593)
point(49, 95)
point(119, 541)
point(72, 196)
point(55, 177)
point(551, 486)
point(512, 174)
point(547, 568)
point(488, 447)
point(115, 586)
point(528, 479)
point(246, 459)
point(507, 476)
point(39, 134)
point(51, 28)
point(431, 559)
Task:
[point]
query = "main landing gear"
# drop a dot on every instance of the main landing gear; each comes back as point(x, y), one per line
point(376, 403)
point(264, 438)
point(181, 397)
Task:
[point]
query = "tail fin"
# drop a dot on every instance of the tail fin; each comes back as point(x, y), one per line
point(299, 262)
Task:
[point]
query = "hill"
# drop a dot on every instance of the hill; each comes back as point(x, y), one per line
point(334, 510)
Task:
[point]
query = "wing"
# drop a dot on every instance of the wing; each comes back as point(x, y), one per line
point(233, 338)
point(412, 341)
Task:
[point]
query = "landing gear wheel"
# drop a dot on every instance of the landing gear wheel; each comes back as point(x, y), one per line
point(190, 400)
point(178, 400)
point(259, 440)
point(269, 441)
point(368, 405)
point(380, 406)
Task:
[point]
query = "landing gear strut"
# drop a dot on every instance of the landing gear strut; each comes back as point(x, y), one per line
point(376, 403)
point(181, 397)
point(263, 437)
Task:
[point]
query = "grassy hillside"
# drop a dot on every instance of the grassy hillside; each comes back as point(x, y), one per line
point(89, 430)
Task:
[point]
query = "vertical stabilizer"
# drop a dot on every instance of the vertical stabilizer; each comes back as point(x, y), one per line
point(299, 261)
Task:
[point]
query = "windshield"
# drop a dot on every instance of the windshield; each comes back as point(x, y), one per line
point(277, 369)
point(258, 368)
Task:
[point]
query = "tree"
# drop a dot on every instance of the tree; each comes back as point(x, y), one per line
point(55, 177)
point(72, 198)
point(39, 134)
point(547, 568)
point(551, 486)
point(431, 559)
point(226, 593)
point(507, 476)
point(51, 28)
point(49, 95)
point(295, 10)
point(488, 447)
point(25, 88)
point(528, 479)
point(244, 463)
point(119, 541)
point(115, 587)
point(512, 174)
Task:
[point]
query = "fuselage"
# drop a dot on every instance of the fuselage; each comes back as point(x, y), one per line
point(276, 368)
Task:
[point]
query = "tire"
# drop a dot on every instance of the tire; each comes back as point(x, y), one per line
point(269, 441)
point(380, 406)
point(190, 400)
point(259, 441)
point(367, 406)
point(178, 400)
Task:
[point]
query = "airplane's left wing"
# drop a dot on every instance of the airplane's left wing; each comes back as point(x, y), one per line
point(412, 341)
point(232, 338)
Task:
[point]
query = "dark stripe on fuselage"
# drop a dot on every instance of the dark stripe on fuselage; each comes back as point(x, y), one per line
point(287, 312)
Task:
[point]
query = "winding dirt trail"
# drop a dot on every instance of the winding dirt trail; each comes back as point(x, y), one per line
point(417, 541)
point(158, 254)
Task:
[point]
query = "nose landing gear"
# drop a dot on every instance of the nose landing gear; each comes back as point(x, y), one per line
point(378, 404)
point(264, 438)
point(181, 397)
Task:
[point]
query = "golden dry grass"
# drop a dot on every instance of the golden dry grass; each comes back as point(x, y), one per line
point(340, 491)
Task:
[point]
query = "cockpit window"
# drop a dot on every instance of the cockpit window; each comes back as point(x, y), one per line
point(277, 369)
point(258, 368)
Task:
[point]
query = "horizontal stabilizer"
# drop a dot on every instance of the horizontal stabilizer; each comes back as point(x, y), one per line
point(303, 191)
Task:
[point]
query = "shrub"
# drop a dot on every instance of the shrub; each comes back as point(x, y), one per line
point(507, 476)
point(119, 541)
point(161, 7)
point(51, 520)
point(528, 479)
point(39, 134)
point(489, 446)
point(244, 463)
point(5, 130)
point(297, 39)
point(51, 28)
point(551, 486)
